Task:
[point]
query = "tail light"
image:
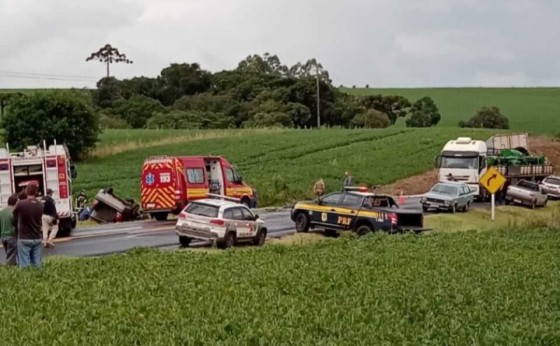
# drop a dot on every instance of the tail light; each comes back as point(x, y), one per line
point(394, 218)
point(217, 222)
point(182, 216)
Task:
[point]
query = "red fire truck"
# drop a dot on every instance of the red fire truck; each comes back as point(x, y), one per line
point(49, 168)
point(170, 182)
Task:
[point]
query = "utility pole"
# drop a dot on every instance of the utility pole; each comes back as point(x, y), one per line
point(318, 99)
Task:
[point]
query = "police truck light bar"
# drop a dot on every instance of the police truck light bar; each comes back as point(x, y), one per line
point(356, 188)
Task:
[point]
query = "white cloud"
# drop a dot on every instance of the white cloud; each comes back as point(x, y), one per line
point(378, 42)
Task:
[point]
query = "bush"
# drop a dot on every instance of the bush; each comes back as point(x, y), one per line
point(65, 116)
point(425, 113)
point(372, 119)
point(487, 118)
point(110, 121)
point(137, 110)
point(190, 120)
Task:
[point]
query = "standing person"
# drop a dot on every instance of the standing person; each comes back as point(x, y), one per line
point(49, 220)
point(347, 179)
point(8, 231)
point(28, 215)
point(319, 188)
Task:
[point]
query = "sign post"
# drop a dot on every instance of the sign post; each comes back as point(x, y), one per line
point(492, 181)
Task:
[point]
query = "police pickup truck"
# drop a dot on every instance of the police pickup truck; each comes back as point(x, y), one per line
point(356, 210)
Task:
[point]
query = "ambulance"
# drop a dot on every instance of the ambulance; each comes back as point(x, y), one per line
point(49, 168)
point(169, 183)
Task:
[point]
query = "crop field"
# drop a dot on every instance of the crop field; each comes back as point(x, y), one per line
point(447, 288)
point(284, 164)
point(528, 109)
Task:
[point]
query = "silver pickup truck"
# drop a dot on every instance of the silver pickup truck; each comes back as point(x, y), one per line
point(526, 193)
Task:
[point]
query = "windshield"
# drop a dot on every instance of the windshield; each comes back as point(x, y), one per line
point(445, 189)
point(202, 209)
point(459, 162)
point(552, 181)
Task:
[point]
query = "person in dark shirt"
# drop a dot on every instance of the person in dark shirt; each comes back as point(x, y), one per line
point(8, 231)
point(28, 218)
point(49, 220)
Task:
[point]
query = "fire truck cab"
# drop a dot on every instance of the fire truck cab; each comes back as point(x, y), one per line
point(49, 168)
point(169, 183)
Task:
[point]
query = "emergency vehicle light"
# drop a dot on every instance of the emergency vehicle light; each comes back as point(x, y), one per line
point(356, 188)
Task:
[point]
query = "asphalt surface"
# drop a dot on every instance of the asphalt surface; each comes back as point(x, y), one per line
point(116, 238)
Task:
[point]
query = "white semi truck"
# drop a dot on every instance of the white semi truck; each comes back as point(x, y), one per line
point(466, 160)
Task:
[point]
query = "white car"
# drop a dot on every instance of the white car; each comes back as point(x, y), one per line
point(551, 186)
point(222, 222)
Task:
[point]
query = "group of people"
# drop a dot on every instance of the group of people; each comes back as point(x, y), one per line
point(319, 187)
point(27, 225)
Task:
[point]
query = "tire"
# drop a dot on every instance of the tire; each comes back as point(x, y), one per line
point(302, 222)
point(260, 238)
point(363, 230)
point(246, 201)
point(227, 242)
point(160, 216)
point(184, 241)
point(507, 202)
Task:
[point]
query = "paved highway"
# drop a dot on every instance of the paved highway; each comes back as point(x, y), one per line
point(114, 238)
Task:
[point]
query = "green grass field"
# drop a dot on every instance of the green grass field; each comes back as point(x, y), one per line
point(536, 110)
point(282, 164)
point(489, 288)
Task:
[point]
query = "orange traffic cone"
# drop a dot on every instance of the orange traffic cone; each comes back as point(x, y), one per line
point(401, 198)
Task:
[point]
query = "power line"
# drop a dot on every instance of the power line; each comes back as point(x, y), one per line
point(31, 75)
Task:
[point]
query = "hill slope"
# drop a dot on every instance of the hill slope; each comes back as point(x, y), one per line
point(529, 109)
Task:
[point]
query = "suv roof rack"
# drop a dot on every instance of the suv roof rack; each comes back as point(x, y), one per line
point(227, 198)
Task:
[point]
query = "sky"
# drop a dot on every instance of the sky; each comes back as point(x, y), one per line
point(383, 43)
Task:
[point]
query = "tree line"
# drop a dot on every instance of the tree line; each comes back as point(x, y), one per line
point(259, 92)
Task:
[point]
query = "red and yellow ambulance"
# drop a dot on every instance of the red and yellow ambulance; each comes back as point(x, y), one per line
point(168, 183)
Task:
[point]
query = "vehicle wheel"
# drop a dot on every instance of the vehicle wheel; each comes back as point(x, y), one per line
point(161, 216)
point(184, 241)
point(302, 222)
point(260, 238)
point(507, 201)
point(363, 230)
point(227, 242)
point(246, 201)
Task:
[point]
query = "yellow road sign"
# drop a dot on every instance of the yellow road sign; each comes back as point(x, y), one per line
point(492, 180)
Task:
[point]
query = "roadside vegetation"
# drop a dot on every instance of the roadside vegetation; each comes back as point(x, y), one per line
point(446, 288)
point(283, 165)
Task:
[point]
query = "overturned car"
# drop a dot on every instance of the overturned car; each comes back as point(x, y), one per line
point(109, 208)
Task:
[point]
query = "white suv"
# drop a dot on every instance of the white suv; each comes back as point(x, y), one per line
point(222, 222)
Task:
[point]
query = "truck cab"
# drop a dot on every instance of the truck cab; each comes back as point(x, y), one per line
point(464, 160)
